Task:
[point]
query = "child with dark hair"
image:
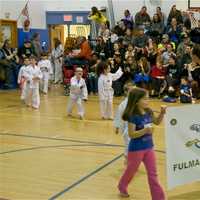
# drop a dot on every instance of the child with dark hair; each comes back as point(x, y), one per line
point(140, 119)
point(185, 91)
point(158, 79)
point(141, 78)
point(105, 89)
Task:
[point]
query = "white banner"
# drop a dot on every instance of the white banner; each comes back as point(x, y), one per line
point(182, 131)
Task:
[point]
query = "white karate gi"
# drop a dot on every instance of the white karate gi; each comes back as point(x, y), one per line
point(57, 62)
point(121, 124)
point(46, 69)
point(78, 92)
point(22, 82)
point(32, 86)
point(106, 92)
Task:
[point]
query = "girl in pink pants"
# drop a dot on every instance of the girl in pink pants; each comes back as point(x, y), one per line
point(140, 119)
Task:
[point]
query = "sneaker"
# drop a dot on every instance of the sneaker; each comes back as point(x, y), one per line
point(123, 193)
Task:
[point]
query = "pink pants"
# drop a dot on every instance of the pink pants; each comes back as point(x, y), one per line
point(149, 160)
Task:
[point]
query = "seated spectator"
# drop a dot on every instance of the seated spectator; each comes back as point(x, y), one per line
point(130, 51)
point(185, 91)
point(152, 50)
point(26, 50)
point(195, 34)
point(142, 18)
point(120, 28)
point(10, 63)
point(113, 37)
point(160, 15)
point(184, 60)
point(172, 76)
point(165, 41)
point(158, 74)
point(118, 48)
point(157, 25)
point(100, 48)
point(186, 20)
point(185, 42)
point(104, 31)
point(141, 78)
point(140, 42)
point(129, 69)
point(128, 38)
point(128, 19)
point(174, 31)
point(84, 56)
point(195, 71)
point(5, 71)
point(174, 13)
point(167, 54)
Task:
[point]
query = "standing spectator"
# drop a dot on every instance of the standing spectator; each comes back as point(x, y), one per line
point(26, 50)
point(57, 54)
point(97, 16)
point(92, 76)
point(174, 13)
point(37, 49)
point(142, 17)
point(128, 19)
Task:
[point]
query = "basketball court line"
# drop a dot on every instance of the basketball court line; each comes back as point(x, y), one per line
point(52, 147)
point(59, 139)
point(78, 182)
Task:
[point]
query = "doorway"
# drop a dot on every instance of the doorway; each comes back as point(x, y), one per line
point(63, 31)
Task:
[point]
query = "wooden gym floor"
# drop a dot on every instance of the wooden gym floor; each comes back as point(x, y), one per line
point(45, 155)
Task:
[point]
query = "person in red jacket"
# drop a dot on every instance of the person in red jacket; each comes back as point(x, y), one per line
point(158, 79)
point(83, 56)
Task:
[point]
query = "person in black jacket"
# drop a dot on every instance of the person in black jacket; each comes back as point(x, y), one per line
point(196, 71)
point(174, 13)
point(26, 50)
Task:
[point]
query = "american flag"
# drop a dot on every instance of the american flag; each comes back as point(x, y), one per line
point(25, 11)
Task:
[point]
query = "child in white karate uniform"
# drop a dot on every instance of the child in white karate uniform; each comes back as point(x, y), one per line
point(119, 123)
point(105, 89)
point(45, 66)
point(78, 92)
point(33, 76)
point(21, 78)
